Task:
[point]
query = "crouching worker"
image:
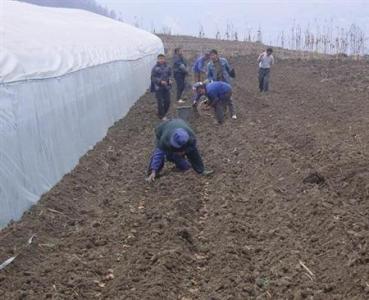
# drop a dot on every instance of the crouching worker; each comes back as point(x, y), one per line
point(219, 95)
point(175, 142)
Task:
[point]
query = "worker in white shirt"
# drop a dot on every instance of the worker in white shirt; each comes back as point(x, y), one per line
point(265, 60)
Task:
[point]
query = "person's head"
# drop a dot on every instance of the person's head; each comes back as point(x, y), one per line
point(207, 55)
point(199, 88)
point(161, 59)
point(178, 51)
point(214, 55)
point(269, 51)
point(179, 138)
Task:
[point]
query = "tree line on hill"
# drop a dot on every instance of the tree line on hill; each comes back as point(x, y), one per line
point(90, 5)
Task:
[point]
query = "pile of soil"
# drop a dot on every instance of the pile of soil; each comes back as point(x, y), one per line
point(254, 230)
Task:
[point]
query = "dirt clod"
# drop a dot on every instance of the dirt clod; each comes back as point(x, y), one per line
point(314, 178)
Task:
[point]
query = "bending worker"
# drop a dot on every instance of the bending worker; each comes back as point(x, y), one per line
point(219, 96)
point(175, 141)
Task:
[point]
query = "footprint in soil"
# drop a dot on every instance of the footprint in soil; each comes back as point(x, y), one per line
point(314, 178)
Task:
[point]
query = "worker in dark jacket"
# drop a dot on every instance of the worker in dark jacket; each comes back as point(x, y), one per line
point(161, 85)
point(180, 72)
point(175, 141)
point(219, 96)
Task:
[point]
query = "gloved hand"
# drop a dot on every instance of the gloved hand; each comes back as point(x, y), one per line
point(151, 177)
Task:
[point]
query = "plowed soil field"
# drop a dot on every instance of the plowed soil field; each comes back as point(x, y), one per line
point(285, 215)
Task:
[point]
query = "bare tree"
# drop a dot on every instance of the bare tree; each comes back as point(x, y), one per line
point(218, 35)
point(201, 31)
point(235, 36)
point(166, 30)
point(325, 38)
point(228, 31)
point(259, 37)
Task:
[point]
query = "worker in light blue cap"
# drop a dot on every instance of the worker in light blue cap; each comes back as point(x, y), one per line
point(175, 142)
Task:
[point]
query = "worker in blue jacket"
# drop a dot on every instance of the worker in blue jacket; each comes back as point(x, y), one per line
point(199, 67)
point(219, 69)
point(161, 85)
point(219, 96)
point(175, 141)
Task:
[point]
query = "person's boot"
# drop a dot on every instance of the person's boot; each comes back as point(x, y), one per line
point(207, 172)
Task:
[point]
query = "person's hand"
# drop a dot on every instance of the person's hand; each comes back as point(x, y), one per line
point(206, 105)
point(163, 82)
point(170, 81)
point(151, 177)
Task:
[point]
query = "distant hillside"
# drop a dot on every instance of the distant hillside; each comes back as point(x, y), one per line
point(90, 5)
point(194, 46)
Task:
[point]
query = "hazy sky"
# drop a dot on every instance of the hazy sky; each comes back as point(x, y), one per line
point(273, 16)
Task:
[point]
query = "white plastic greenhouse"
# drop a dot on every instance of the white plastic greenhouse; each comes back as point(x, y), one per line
point(65, 77)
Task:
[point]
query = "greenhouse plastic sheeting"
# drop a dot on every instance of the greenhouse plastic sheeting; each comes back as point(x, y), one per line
point(56, 104)
point(41, 42)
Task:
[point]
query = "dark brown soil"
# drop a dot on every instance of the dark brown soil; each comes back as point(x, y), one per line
point(257, 229)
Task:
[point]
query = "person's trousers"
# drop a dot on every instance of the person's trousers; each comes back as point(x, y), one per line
point(181, 163)
point(221, 106)
point(264, 75)
point(180, 83)
point(163, 100)
point(199, 77)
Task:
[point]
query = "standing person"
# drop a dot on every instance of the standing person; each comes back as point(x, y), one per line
point(199, 67)
point(219, 96)
point(161, 85)
point(265, 60)
point(219, 68)
point(175, 141)
point(180, 72)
